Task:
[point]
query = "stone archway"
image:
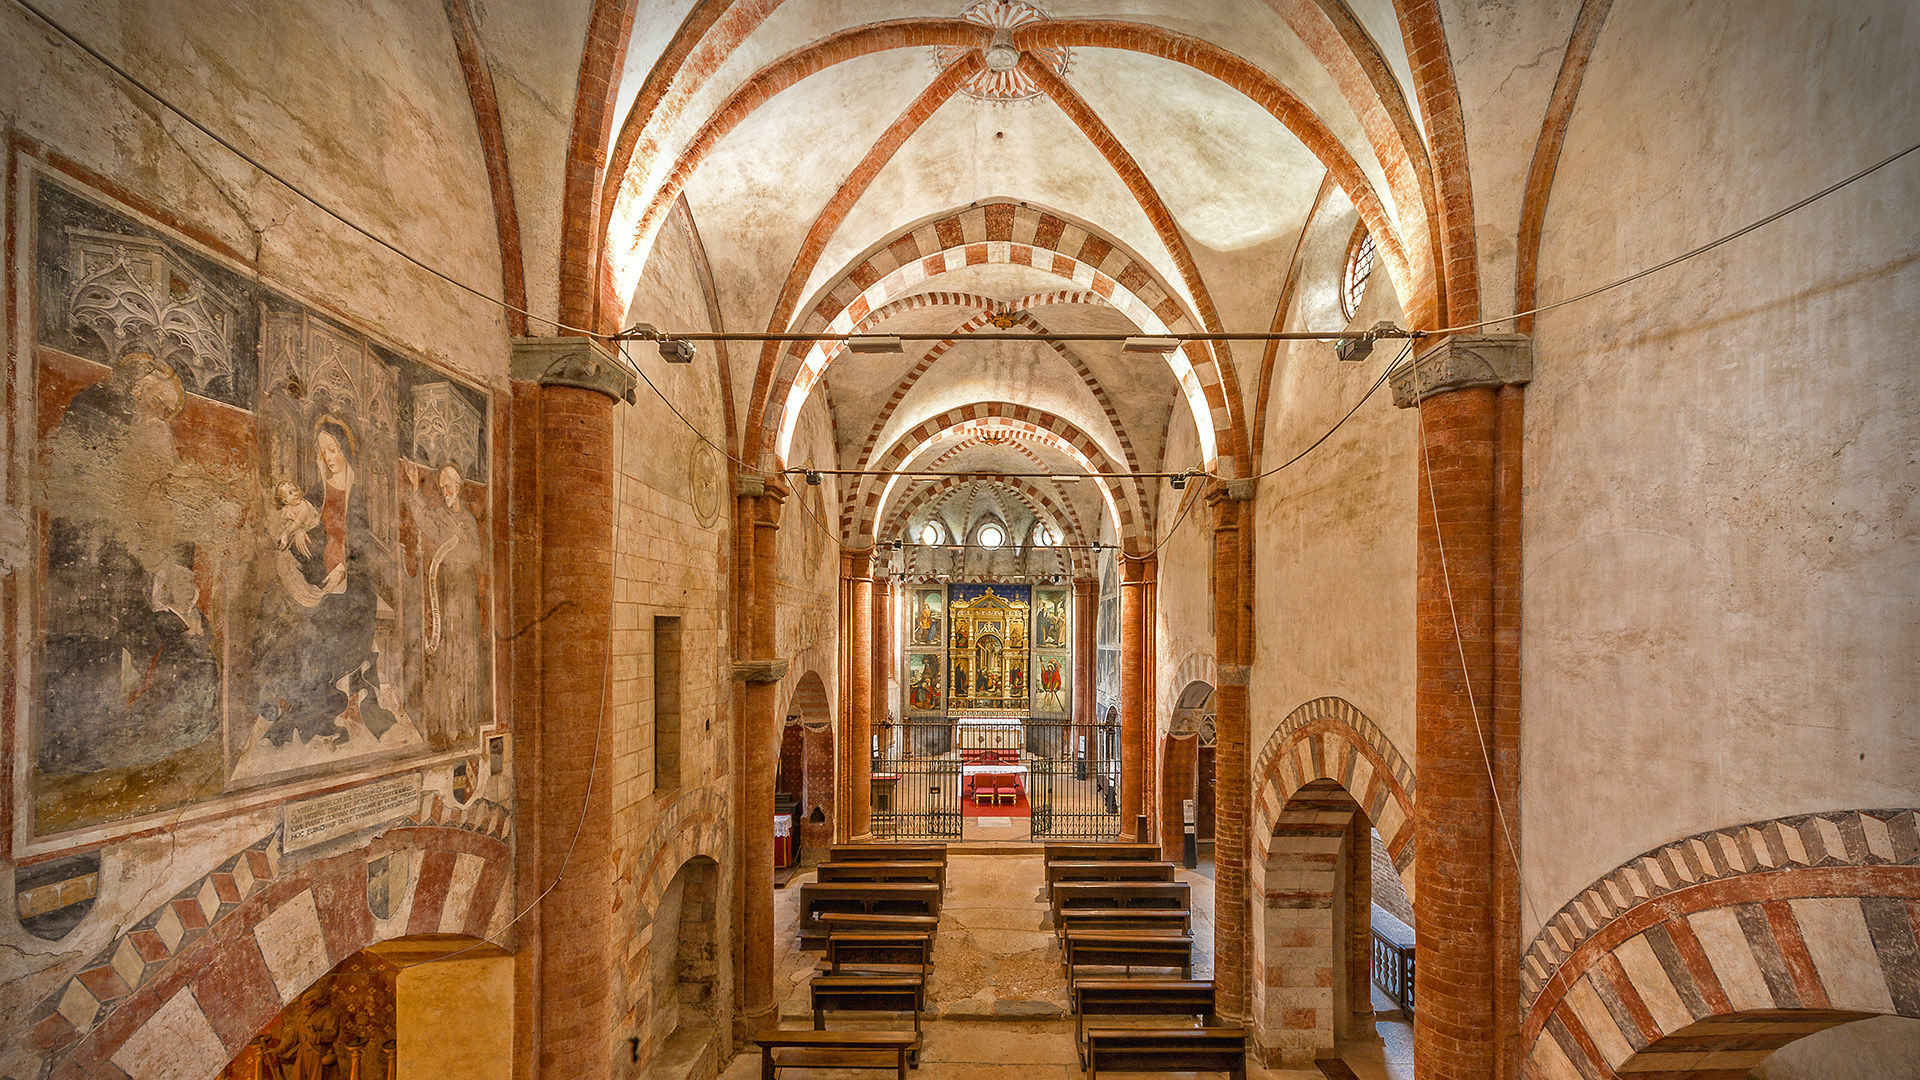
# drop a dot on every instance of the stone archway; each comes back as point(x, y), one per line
point(683, 999)
point(1187, 769)
point(1314, 937)
point(806, 770)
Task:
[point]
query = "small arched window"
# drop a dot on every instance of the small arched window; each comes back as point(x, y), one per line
point(1360, 259)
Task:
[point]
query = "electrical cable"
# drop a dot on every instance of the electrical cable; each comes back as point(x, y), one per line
point(1701, 250)
point(1466, 675)
point(271, 174)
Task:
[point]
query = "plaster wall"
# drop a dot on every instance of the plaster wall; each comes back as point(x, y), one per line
point(455, 1019)
point(1185, 590)
point(673, 543)
point(1720, 566)
point(1333, 532)
point(367, 109)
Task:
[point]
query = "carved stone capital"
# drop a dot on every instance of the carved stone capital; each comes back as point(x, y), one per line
point(1464, 361)
point(1235, 674)
point(571, 361)
point(759, 671)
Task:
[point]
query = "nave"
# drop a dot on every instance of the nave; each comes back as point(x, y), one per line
point(997, 1000)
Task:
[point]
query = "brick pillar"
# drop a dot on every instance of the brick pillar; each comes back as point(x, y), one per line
point(1086, 603)
point(1464, 907)
point(761, 673)
point(1356, 855)
point(1232, 936)
point(885, 660)
point(859, 693)
point(577, 384)
point(1136, 607)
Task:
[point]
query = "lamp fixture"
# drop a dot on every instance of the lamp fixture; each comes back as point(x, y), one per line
point(1160, 345)
point(676, 351)
point(813, 478)
point(874, 344)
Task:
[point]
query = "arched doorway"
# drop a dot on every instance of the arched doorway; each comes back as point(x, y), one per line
point(804, 787)
point(1316, 927)
point(1187, 770)
point(681, 1036)
point(426, 1005)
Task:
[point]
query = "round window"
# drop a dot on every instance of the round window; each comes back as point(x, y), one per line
point(990, 536)
point(930, 533)
point(1359, 269)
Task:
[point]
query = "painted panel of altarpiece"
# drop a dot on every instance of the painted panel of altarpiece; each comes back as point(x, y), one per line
point(262, 536)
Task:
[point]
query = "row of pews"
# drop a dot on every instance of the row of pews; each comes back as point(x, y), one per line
point(1119, 906)
point(873, 909)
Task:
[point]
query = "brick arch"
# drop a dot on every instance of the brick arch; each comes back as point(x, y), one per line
point(208, 968)
point(1017, 313)
point(1130, 519)
point(1707, 952)
point(995, 233)
point(1036, 499)
point(691, 826)
point(1329, 738)
point(1315, 939)
point(1198, 666)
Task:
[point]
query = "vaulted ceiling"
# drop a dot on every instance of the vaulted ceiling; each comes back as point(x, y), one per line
point(910, 167)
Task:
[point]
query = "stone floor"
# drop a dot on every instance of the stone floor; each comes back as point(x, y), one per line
point(998, 1000)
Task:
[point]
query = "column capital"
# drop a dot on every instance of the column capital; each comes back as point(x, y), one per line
point(1462, 361)
point(1234, 674)
point(1138, 571)
point(759, 671)
point(1231, 490)
point(580, 362)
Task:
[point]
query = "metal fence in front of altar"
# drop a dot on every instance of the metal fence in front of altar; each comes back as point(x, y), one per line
point(916, 782)
point(1073, 776)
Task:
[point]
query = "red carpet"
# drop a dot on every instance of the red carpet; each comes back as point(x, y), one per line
point(1017, 808)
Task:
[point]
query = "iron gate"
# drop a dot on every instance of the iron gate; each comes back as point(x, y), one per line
point(1073, 776)
point(916, 782)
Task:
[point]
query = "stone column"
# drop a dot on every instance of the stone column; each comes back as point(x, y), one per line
point(859, 694)
point(1086, 601)
point(578, 384)
point(1466, 703)
point(761, 671)
point(1232, 594)
point(1136, 607)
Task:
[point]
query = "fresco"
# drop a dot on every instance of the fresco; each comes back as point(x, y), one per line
point(1050, 618)
point(1052, 674)
point(923, 682)
point(923, 617)
point(264, 536)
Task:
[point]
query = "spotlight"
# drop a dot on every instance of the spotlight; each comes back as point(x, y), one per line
point(1179, 482)
point(1162, 345)
point(874, 343)
point(676, 351)
point(813, 478)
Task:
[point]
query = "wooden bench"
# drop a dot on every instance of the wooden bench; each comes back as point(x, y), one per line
point(837, 921)
point(868, 898)
point(932, 873)
point(1171, 895)
point(1081, 851)
point(1128, 949)
point(1204, 1049)
point(1138, 997)
point(849, 953)
point(806, 1048)
point(1164, 919)
point(887, 853)
point(870, 993)
point(1107, 871)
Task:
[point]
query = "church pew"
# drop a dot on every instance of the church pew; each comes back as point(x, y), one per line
point(850, 953)
point(932, 873)
point(1128, 949)
point(1164, 919)
point(1138, 997)
point(869, 993)
point(860, 921)
point(870, 898)
point(806, 1048)
point(1107, 871)
point(887, 853)
point(1174, 895)
point(1081, 851)
point(1206, 1049)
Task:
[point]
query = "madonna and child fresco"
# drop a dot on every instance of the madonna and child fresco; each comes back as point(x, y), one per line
point(265, 537)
